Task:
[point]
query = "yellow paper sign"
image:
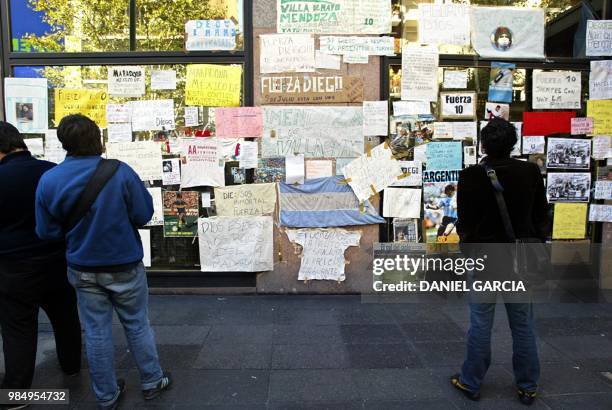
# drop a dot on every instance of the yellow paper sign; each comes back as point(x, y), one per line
point(213, 85)
point(601, 111)
point(91, 103)
point(569, 221)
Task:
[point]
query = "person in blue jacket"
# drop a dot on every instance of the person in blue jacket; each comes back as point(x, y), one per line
point(104, 254)
point(32, 271)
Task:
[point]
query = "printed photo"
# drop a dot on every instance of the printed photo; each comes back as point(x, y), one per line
point(568, 187)
point(440, 212)
point(24, 112)
point(405, 230)
point(408, 131)
point(181, 211)
point(568, 153)
point(497, 110)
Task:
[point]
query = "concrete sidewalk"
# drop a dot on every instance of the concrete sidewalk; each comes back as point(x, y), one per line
point(258, 352)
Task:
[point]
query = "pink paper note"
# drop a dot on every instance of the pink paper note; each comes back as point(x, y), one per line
point(582, 126)
point(239, 122)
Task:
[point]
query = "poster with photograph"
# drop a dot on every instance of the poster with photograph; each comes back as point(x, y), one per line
point(408, 132)
point(500, 82)
point(440, 206)
point(568, 186)
point(497, 110)
point(181, 211)
point(171, 171)
point(234, 174)
point(405, 230)
point(26, 104)
point(568, 153)
point(508, 32)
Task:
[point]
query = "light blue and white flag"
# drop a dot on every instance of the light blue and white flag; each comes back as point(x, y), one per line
point(321, 203)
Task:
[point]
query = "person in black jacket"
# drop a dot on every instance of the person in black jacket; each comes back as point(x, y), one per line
point(33, 272)
point(480, 222)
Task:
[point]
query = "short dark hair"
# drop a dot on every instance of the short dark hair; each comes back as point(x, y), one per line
point(498, 138)
point(79, 135)
point(10, 138)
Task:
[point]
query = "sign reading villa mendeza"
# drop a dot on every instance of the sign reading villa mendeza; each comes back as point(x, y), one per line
point(310, 89)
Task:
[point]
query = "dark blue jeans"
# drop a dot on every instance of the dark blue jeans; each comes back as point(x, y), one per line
point(525, 359)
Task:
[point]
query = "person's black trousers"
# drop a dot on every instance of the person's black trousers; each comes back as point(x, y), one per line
point(28, 283)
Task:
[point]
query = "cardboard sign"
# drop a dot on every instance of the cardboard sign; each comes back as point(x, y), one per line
point(583, 125)
point(457, 105)
point(311, 89)
point(246, 200)
point(556, 89)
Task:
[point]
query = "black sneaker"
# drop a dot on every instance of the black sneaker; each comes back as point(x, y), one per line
point(526, 397)
point(115, 405)
point(456, 382)
point(164, 384)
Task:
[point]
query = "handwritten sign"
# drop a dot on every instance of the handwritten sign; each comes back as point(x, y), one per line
point(598, 38)
point(457, 130)
point(402, 203)
point(569, 221)
point(210, 35)
point(334, 16)
point(143, 156)
point(148, 115)
point(325, 131)
point(322, 255)
point(126, 81)
point(118, 113)
point(455, 78)
point(420, 73)
point(444, 155)
point(213, 85)
point(582, 125)
point(119, 132)
point(192, 116)
point(171, 171)
point(556, 89)
point(236, 244)
point(603, 190)
point(352, 46)
point(412, 174)
point(239, 122)
point(535, 144)
point(91, 103)
point(311, 89)
point(411, 108)
point(601, 146)
point(327, 61)
point(201, 165)
point(444, 24)
point(458, 105)
point(601, 112)
point(163, 80)
point(286, 52)
point(158, 207)
point(600, 213)
point(600, 80)
point(54, 152)
point(319, 168)
point(375, 118)
point(246, 200)
point(372, 172)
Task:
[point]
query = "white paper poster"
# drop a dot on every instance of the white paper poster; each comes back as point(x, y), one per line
point(598, 38)
point(420, 73)
point(126, 81)
point(192, 117)
point(534, 144)
point(601, 146)
point(600, 80)
point(145, 238)
point(455, 78)
point(458, 105)
point(319, 168)
point(600, 213)
point(36, 147)
point(119, 132)
point(373, 172)
point(117, 113)
point(210, 35)
point(556, 89)
point(171, 171)
point(143, 156)
point(26, 104)
point(357, 46)
point(457, 130)
point(411, 107)
point(158, 207)
point(236, 244)
point(322, 255)
point(508, 32)
point(248, 154)
point(327, 61)
point(355, 59)
point(315, 131)
point(281, 53)
point(201, 164)
point(152, 115)
point(294, 169)
point(603, 190)
point(54, 152)
point(163, 80)
point(402, 203)
point(412, 174)
point(444, 24)
point(375, 118)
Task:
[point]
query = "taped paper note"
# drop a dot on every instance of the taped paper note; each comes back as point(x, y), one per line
point(402, 203)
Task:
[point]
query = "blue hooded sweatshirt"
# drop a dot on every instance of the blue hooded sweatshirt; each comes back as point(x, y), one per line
point(106, 239)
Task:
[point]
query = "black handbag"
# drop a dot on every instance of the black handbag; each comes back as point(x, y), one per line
point(530, 257)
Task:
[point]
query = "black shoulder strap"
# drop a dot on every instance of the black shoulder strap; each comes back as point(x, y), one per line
point(501, 203)
point(104, 172)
